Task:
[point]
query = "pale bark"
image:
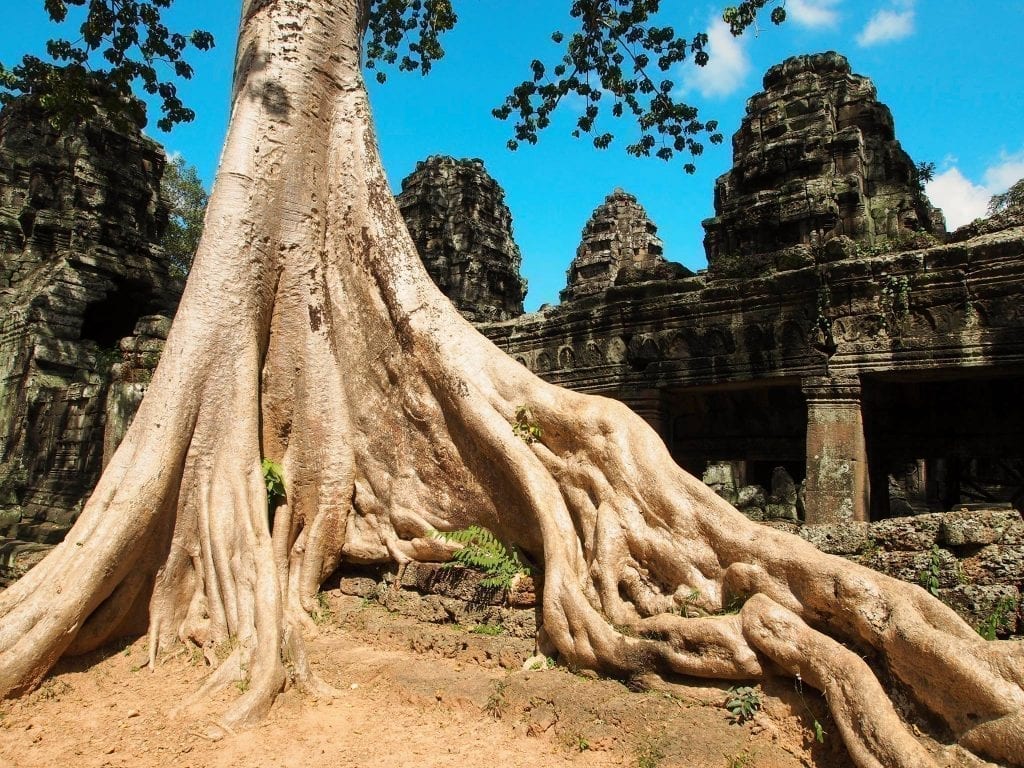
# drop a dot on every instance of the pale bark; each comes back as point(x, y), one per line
point(311, 334)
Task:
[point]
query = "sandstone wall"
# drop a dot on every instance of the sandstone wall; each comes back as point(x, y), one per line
point(80, 262)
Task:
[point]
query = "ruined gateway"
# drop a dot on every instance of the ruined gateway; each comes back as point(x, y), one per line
point(844, 368)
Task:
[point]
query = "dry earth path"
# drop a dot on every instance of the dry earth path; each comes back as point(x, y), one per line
point(409, 694)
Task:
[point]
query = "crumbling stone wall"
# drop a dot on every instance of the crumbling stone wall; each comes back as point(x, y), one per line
point(971, 557)
point(80, 262)
point(456, 214)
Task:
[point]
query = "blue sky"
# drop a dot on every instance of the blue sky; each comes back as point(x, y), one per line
point(949, 70)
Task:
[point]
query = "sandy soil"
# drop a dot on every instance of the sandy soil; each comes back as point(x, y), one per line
point(409, 694)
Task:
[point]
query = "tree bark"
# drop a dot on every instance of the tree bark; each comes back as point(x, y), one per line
point(310, 334)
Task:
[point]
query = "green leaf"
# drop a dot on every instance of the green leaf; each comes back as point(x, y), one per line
point(117, 46)
point(273, 477)
point(484, 552)
point(819, 733)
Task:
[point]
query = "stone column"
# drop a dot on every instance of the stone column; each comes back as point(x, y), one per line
point(837, 466)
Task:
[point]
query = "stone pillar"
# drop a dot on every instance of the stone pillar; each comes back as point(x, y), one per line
point(837, 466)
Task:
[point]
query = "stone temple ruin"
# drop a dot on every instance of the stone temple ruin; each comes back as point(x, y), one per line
point(619, 243)
point(82, 275)
point(843, 369)
point(815, 158)
point(832, 326)
point(458, 219)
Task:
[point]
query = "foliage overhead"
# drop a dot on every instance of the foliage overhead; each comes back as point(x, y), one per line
point(186, 201)
point(119, 43)
point(388, 34)
point(621, 56)
point(619, 59)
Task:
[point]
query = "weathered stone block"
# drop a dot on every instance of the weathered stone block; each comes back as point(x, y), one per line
point(915, 533)
point(455, 582)
point(154, 326)
point(720, 475)
point(848, 538)
point(781, 511)
point(141, 345)
point(968, 526)
point(46, 532)
point(916, 567)
point(783, 487)
point(358, 586)
point(1014, 534)
point(522, 592)
point(751, 496)
point(995, 564)
point(751, 500)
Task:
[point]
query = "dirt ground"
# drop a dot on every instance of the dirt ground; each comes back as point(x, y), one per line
point(409, 694)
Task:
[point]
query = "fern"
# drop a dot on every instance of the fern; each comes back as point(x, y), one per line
point(483, 551)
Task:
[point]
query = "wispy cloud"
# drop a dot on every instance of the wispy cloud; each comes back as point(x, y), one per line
point(726, 69)
point(889, 24)
point(813, 13)
point(1009, 171)
point(962, 200)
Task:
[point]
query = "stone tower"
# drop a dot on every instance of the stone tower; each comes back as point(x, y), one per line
point(81, 219)
point(458, 219)
point(618, 236)
point(815, 157)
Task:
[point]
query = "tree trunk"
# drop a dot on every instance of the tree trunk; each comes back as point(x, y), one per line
point(310, 334)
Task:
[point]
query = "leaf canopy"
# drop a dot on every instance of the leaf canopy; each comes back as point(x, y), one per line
point(619, 59)
point(119, 43)
point(186, 199)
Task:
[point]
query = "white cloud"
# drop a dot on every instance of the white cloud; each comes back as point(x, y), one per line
point(813, 13)
point(726, 69)
point(962, 200)
point(1010, 170)
point(888, 24)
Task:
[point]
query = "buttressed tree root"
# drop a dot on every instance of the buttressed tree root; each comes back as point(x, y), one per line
point(310, 334)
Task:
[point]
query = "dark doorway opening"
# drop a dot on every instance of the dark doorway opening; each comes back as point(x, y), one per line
point(939, 444)
point(113, 317)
